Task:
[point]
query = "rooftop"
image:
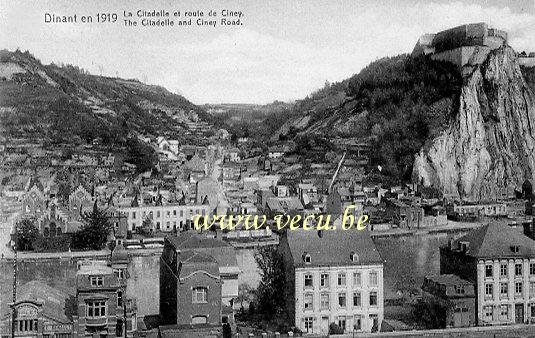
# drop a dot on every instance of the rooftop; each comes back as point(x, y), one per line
point(333, 248)
point(496, 240)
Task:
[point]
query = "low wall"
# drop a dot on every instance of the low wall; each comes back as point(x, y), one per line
point(527, 62)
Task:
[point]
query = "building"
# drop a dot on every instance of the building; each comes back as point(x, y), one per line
point(41, 311)
point(463, 45)
point(500, 261)
point(456, 295)
point(190, 289)
point(166, 218)
point(480, 210)
point(222, 252)
point(333, 277)
point(403, 215)
point(101, 303)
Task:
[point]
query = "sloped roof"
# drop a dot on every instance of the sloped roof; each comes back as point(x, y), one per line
point(333, 248)
point(224, 253)
point(53, 301)
point(495, 240)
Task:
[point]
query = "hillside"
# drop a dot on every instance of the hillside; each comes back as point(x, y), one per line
point(65, 104)
point(251, 120)
point(395, 104)
point(464, 131)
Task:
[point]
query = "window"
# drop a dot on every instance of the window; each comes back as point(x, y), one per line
point(373, 298)
point(309, 301)
point(174, 212)
point(532, 289)
point(96, 309)
point(504, 289)
point(27, 325)
point(342, 322)
point(532, 309)
point(518, 269)
point(324, 280)
point(199, 295)
point(488, 270)
point(342, 299)
point(199, 320)
point(532, 269)
point(518, 288)
point(308, 280)
point(324, 301)
point(119, 298)
point(357, 323)
point(307, 258)
point(357, 300)
point(308, 324)
point(459, 289)
point(357, 279)
point(488, 290)
point(133, 215)
point(96, 280)
point(373, 278)
point(487, 312)
point(503, 270)
point(158, 214)
point(354, 257)
point(341, 279)
point(168, 213)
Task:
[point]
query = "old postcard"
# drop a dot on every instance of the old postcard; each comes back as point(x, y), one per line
point(278, 168)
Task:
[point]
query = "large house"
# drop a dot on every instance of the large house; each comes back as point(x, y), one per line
point(500, 261)
point(333, 277)
point(190, 292)
point(222, 252)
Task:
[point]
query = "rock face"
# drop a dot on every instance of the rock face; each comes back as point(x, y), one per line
point(488, 149)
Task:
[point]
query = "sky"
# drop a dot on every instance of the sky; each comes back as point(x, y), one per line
point(284, 49)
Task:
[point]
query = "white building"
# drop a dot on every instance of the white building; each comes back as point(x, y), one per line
point(333, 276)
point(500, 261)
point(167, 217)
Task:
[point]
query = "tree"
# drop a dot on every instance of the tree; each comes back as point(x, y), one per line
point(272, 284)
point(146, 227)
point(431, 313)
point(94, 233)
point(27, 233)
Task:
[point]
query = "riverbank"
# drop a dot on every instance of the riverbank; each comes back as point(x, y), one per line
point(452, 226)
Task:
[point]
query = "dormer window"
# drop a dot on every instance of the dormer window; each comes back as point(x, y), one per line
point(96, 280)
point(354, 257)
point(515, 248)
point(306, 258)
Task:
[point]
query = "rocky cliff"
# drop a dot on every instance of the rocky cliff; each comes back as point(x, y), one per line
point(488, 147)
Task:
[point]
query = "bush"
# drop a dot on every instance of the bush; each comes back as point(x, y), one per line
point(52, 244)
point(335, 329)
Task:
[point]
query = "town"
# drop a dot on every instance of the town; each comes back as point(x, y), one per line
point(117, 239)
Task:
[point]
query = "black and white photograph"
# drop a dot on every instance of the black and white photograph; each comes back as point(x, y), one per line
point(268, 169)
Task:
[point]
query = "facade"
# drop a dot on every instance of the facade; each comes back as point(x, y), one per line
point(456, 295)
point(190, 288)
point(333, 277)
point(404, 215)
point(101, 303)
point(167, 218)
point(500, 261)
point(222, 252)
point(41, 311)
point(478, 210)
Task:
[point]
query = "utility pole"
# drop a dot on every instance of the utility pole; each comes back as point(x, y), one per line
point(13, 310)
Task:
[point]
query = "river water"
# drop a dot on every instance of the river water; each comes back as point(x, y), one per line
point(407, 260)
